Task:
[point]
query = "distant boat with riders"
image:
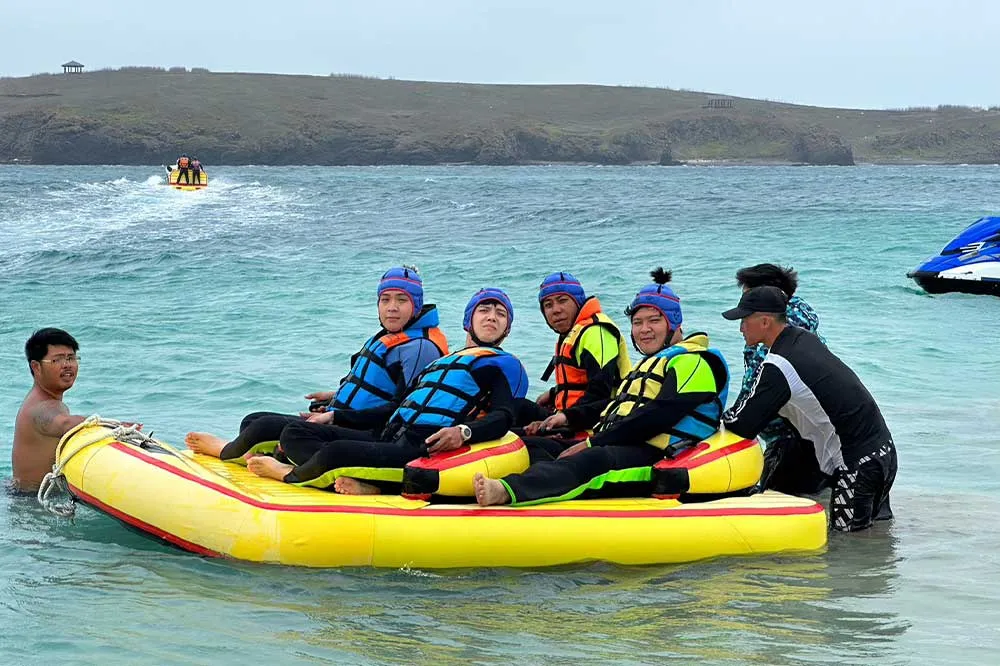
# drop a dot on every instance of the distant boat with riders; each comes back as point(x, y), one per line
point(187, 173)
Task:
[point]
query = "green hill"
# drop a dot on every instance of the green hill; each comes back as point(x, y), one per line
point(148, 116)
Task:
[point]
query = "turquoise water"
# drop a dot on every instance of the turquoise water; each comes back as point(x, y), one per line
point(193, 309)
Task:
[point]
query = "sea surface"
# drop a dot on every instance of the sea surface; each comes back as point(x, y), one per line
point(193, 309)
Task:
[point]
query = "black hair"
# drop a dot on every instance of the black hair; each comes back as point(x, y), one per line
point(38, 344)
point(769, 275)
point(660, 276)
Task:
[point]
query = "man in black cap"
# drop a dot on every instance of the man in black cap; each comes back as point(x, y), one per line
point(848, 445)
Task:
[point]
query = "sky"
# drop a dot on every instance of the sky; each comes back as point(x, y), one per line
point(842, 53)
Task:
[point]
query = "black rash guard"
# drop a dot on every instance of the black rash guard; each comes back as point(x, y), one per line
point(803, 381)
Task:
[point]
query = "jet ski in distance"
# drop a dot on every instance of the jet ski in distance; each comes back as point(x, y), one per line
point(970, 263)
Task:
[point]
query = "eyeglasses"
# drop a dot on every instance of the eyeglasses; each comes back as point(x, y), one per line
point(62, 360)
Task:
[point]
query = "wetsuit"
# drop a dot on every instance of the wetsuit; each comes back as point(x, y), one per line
point(656, 405)
point(845, 443)
point(196, 171)
point(490, 386)
point(779, 437)
point(183, 171)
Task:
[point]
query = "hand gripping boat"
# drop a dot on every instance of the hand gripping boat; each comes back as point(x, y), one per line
point(970, 263)
point(210, 507)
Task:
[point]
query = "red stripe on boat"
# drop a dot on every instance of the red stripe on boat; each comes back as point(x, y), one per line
point(686, 462)
point(512, 512)
point(143, 525)
point(462, 456)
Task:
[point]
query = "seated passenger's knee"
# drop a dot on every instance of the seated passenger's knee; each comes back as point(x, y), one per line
point(451, 474)
point(722, 464)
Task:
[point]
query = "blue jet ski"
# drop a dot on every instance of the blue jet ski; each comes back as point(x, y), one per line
point(970, 263)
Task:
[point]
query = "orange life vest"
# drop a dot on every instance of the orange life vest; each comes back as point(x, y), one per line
point(182, 162)
point(571, 377)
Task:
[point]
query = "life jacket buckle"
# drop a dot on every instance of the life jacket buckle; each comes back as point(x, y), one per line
point(676, 448)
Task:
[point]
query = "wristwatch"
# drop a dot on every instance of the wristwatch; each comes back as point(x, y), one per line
point(466, 432)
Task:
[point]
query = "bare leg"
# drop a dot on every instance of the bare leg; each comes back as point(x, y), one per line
point(205, 443)
point(489, 491)
point(268, 467)
point(348, 486)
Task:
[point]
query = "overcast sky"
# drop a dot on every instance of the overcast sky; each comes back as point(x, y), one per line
point(847, 53)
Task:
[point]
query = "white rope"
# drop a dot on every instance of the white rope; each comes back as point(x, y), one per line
point(54, 483)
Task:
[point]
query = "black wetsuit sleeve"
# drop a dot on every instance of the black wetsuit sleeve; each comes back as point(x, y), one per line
point(364, 419)
point(655, 417)
point(603, 381)
point(767, 395)
point(501, 410)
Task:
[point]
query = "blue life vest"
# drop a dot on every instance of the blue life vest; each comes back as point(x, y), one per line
point(446, 393)
point(644, 382)
point(369, 383)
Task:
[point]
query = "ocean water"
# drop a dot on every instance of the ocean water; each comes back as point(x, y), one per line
point(193, 309)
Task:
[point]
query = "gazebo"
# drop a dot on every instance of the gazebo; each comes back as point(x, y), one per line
point(72, 67)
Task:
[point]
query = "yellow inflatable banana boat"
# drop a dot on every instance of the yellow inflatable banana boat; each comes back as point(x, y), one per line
point(215, 508)
point(187, 184)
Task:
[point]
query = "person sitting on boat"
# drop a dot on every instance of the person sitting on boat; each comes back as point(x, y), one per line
point(672, 397)
point(466, 397)
point(54, 361)
point(837, 419)
point(183, 166)
point(589, 362)
point(779, 438)
point(196, 170)
point(409, 338)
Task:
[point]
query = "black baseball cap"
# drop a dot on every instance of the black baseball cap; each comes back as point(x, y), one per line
point(771, 300)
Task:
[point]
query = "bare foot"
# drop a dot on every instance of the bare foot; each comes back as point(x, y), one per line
point(205, 443)
point(348, 486)
point(269, 468)
point(489, 491)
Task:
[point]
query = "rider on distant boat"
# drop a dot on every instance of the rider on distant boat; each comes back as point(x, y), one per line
point(196, 170)
point(183, 162)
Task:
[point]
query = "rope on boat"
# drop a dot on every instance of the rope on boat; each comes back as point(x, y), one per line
point(54, 486)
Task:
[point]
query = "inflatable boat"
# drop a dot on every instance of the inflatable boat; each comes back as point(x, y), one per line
point(184, 185)
point(216, 508)
point(970, 263)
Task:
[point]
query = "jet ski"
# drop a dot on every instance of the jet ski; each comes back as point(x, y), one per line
point(970, 263)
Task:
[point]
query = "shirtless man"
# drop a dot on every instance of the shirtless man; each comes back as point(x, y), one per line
point(43, 418)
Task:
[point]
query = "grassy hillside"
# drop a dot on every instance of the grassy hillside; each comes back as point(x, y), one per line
point(148, 116)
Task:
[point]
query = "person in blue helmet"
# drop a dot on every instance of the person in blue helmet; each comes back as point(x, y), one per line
point(408, 339)
point(590, 357)
point(466, 397)
point(672, 398)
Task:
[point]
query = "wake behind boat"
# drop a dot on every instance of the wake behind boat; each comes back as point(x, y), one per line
point(970, 263)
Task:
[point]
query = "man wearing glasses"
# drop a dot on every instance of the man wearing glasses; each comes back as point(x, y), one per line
point(43, 418)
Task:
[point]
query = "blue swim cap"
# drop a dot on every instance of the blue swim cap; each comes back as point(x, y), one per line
point(488, 294)
point(406, 280)
point(660, 296)
point(562, 283)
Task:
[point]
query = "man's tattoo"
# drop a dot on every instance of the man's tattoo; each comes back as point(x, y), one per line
point(45, 415)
